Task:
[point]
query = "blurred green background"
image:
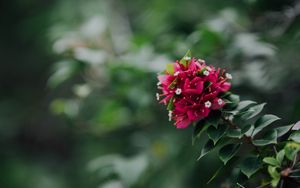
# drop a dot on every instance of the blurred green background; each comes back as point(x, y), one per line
point(78, 84)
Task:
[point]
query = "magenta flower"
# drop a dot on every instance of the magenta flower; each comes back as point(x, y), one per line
point(191, 90)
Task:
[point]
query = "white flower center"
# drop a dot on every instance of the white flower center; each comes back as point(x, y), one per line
point(178, 91)
point(207, 104)
point(157, 96)
point(170, 115)
point(176, 73)
point(229, 76)
point(206, 73)
point(220, 101)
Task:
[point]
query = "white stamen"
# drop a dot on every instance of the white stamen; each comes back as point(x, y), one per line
point(220, 101)
point(178, 91)
point(187, 58)
point(157, 96)
point(176, 73)
point(158, 83)
point(229, 76)
point(170, 115)
point(208, 68)
point(206, 73)
point(207, 104)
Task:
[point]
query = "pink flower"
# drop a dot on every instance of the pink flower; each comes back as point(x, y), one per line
point(191, 90)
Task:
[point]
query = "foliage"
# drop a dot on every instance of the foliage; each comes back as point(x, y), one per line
point(228, 126)
point(78, 84)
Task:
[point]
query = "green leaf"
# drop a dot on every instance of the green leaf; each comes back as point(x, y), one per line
point(234, 133)
point(283, 130)
point(208, 147)
point(173, 84)
point(214, 118)
point(244, 104)
point(215, 175)
point(186, 58)
point(291, 149)
point(231, 101)
point(170, 68)
point(200, 127)
point(295, 136)
point(216, 133)
point(171, 104)
point(228, 151)
point(247, 130)
point(252, 111)
point(280, 156)
point(271, 161)
point(263, 122)
point(269, 137)
point(274, 174)
point(250, 165)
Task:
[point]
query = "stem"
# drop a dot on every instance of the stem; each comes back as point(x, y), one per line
point(246, 139)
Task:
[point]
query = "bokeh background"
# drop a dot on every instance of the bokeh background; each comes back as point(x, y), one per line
point(78, 84)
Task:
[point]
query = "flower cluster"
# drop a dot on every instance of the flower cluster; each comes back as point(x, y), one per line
point(191, 89)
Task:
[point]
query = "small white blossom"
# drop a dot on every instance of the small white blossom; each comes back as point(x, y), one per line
point(208, 68)
point(229, 76)
point(220, 101)
point(187, 58)
point(158, 83)
point(157, 96)
point(170, 115)
point(176, 73)
point(206, 73)
point(178, 91)
point(207, 104)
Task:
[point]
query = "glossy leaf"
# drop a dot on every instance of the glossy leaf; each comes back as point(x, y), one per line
point(216, 133)
point(295, 136)
point(200, 127)
point(274, 174)
point(233, 101)
point(247, 130)
point(214, 118)
point(244, 104)
point(271, 161)
point(291, 149)
point(263, 122)
point(252, 111)
point(283, 130)
point(280, 156)
point(234, 133)
point(206, 148)
point(250, 165)
point(215, 174)
point(269, 137)
point(228, 151)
